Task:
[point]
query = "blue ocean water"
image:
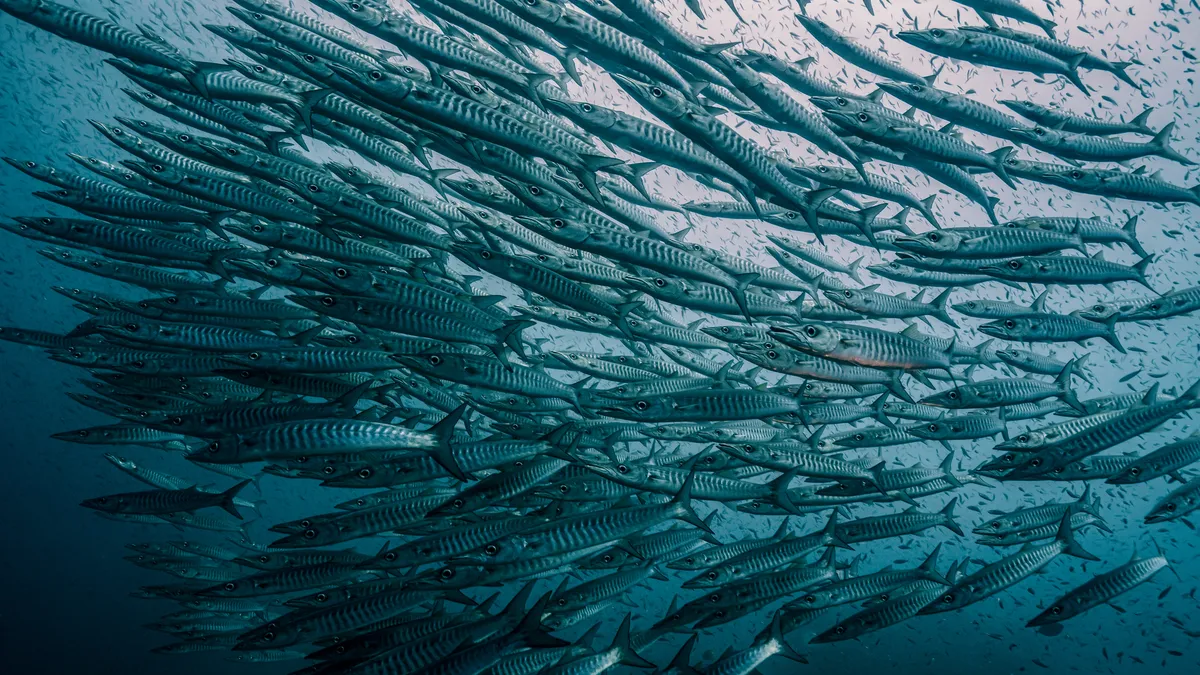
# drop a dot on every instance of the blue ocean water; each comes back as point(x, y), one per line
point(66, 592)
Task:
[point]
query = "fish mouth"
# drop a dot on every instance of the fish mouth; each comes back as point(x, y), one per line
point(828, 103)
point(989, 269)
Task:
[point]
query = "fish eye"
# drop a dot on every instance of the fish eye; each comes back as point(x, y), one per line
point(364, 473)
point(328, 301)
point(1009, 323)
point(660, 282)
point(131, 327)
point(772, 354)
point(916, 88)
point(258, 228)
point(1039, 131)
point(177, 421)
point(711, 576)
point(271, 262)
point(1076, 175)
point(859, 437)
point(839, 630)
point(1057, 609)
point(1172, 506)
point(811, 331)
point(586, 107)
point(1133, 471)
point(476, 89)
point(259, 69)
point(257, 16)
point(933, 428)
point(952, 395)
point(656, 92)
point(863, 117)
point(1014, 264)
point(435, 360)
point(641, 405)
point(328, 471)
point(933, 236)
point(486, 255)
point(948, 598)
point(446, 573)
point(849, 294)
point(841, 101)
point(341, 273)
point(158, 167)
point(31, 164)
point(310, 58)
point(355, 6)
point(457, 503)
point(937, 32)
point(375, 75)
point(558, 222)
point(313, 188)
point(321, 597)
point(823, 169)
point(310, 534)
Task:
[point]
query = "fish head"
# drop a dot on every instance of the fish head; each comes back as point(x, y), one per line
point(586, 115)
point(537, 197)
point(227, 449)
point(732, 333)
point(1007, 329)
point(1024, 108)
point(377, 82)
point(340, 277)
point(1129, 475)
point(22, 8)
point(227, 153)
point(476, 190)
point(1103, 311)
point(1014, 268)
point(469, 87)
point(951, 398)
point(658, 286)
point(361, 13)
point(538, 12)
point(110, 504)
point(1038, 135)
point(557, 228)
point(665, 102)
point(1171, 507)
point(933, 39)
point(811, 337)
point(934, 241)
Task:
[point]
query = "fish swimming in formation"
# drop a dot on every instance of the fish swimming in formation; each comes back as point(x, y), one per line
point(415, 331)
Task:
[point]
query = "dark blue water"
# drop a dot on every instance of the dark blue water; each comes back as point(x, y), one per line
point(65, 604)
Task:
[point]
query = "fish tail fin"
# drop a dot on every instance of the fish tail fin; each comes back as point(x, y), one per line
point(443, 433)
point(682, 663)
point(1118, 69)
point(785, 650)
point(742, 281)
point(947, 467)
point(621, 646)
point(1162, 145)
point(683, 500)
point(831, 532)
point(932, 77)
point(567, 59)
point(1048, 26)
point(999, 156)
point(1067, 536)
point(1064, 382)
point(1140, 268)
point(1142, 121)
point(929, 566)
point(1072, 73)
point(926, 209)
point(1110, 336)
point(228, 495)
point(992, 203)
point(1130, 230)
point(897, 388)
point(1193, 393)
point(939, 305)
point(852, 269)
point(948, 513)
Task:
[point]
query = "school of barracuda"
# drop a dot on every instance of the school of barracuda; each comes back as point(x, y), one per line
point(374, 328)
